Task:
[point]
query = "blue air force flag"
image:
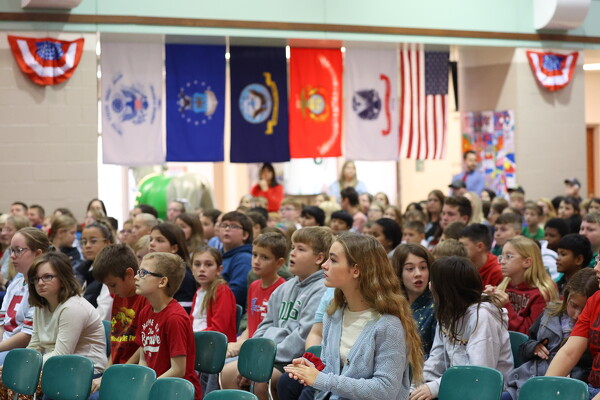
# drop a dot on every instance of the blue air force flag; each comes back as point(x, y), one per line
point(259, 110)
point(195, 102)
point(131, 103)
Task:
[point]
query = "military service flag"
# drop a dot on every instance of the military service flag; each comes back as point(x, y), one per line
point(371, 110)
point(315, 103)
point(195, 85)
point(259, 112)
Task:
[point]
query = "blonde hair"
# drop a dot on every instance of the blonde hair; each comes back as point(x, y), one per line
point(380, 289)
point(62, 221)
point(536, 275)
point(171, 266)
point(477, 216)
point(551, 209)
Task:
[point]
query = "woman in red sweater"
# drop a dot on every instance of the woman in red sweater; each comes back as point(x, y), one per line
point(268, 188)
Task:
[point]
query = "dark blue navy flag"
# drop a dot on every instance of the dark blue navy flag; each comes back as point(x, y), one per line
point(195, 102)
point(259, 109)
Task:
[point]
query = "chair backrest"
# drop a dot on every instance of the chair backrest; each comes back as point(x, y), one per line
point(107, 327)
point(230, 394)
point(21, 371)
point(127, 382)
point(239, 311)
point(316, 350)
point(172, 389)
point(67, 377)
point(516, 340)
point(211, 348)
point(553, 388)
point(256, 359)
point(470, 382)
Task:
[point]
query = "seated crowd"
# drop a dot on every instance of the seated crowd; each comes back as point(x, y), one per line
point(394, 299)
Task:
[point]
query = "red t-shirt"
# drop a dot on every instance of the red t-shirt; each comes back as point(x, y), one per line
point(274, 196)
point(588, 326)
point(525, 306)
point(258, 299)
point(124, 324)
point(491, 272)
point(165, 335)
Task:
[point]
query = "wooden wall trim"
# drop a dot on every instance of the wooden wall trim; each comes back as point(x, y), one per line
point(288, 26)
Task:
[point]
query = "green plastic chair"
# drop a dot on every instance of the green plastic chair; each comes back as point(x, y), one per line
point(316, 350)
point(230, 394)
point(470, 382)
point(21, 371)
point(554, 388)
point(211, 348)
point(127, 382)
point(256, 360)
point(67, 377)
point(516, 340)
point(172, 389)
point(107, 328)
point(239, 311)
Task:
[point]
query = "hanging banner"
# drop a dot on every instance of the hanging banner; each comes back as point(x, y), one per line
point(552, 70)
point(371, 109)
point(491, 135)
point(259, 111)
point(423, 102)
point(315, 103)
point(131, 103)
point(195, 84)
point(46, 61)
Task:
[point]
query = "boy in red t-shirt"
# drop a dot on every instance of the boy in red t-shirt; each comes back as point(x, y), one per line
point(165, 333)
point(268, 255)
point(116, 266)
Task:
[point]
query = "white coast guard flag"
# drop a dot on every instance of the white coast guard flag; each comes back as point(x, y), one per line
point(371, 108)
point(131, 103)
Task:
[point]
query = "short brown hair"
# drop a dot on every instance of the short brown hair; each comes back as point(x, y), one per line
point(449, 247)
point(114, 260)
point(243, 219)
point(171, 266)
point(276, 242)
point(64, 273)
point(319, 238)
point(510, 219)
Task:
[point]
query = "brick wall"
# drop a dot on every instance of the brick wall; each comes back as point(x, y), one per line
point(48, 135)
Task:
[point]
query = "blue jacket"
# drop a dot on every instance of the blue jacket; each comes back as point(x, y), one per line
point(237, 263)
point(377, 366)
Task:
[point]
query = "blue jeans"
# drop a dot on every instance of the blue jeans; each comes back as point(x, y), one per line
point(290, 389)
point(593, 391)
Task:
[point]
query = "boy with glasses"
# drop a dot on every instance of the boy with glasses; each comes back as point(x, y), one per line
point(235, 232)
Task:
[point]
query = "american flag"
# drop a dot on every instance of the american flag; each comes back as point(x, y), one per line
point(423, 102)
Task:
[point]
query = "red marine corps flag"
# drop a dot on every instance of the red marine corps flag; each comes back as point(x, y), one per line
point(46, 61)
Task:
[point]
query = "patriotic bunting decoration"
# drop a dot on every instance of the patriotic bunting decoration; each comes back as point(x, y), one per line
point(46, 61)
point(552, 70)
point(423, 103)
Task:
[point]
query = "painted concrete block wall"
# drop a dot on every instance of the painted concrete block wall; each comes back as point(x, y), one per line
point(550, 126)
point(48, 135)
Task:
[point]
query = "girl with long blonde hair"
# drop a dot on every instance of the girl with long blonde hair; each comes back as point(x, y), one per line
point(369, 336)
point(530, 288)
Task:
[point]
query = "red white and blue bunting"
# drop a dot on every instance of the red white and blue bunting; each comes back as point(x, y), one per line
point(46, 61)
point(552, 70)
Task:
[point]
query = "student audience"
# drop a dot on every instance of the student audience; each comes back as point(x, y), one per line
point(388, 308)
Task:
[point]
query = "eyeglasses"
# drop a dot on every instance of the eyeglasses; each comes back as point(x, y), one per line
point(232, 227)
point(92, 241)
point(143, 272)
point(17, 251)
point(507, 257)
point(44, 278)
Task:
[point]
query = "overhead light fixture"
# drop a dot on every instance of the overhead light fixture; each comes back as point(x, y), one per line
point(591, 67)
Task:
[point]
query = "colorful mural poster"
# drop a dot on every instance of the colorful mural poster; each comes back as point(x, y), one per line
point(491, 134)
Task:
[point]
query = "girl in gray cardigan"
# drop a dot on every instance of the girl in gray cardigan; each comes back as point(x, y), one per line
point(369, 336)
point(470, 331)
